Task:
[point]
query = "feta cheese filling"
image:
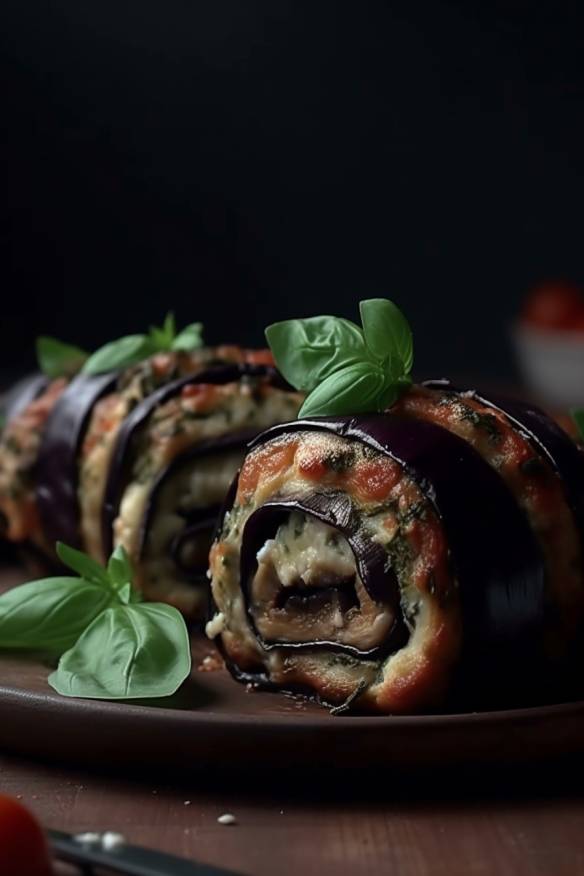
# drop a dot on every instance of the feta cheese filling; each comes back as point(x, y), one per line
point(307, 589)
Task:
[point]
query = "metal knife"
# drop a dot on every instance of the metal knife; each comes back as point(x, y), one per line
point(127, 859)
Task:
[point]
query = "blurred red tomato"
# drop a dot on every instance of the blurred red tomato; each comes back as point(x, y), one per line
point(555, 305)
point(23, 847)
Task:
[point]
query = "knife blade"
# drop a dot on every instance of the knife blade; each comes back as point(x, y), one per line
point(127, 859)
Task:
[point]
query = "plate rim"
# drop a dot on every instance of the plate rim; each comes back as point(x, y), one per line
point(308, 721)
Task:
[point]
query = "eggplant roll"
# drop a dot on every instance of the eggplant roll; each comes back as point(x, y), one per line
point(26, 410)
point(387, 561)
point(544, 470)
point(143, 459)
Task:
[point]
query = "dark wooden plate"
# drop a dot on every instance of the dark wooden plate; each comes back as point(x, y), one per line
point(215, 722)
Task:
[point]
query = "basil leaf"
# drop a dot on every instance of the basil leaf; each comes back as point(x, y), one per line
point(191, 338)
point(578, 417)
point(307, 351)
point(50, 614)
point(354, 389)
point(119, 354)
point(125, 594)
point(169, 327)
point(162, 338)
point(387, 332)
point(392, 392)
point(129, 651)
point(158, 340)
point(119, 567)
point(81, 563)
point(57, 359)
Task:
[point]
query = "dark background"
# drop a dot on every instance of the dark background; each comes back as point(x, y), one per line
point(242, 162)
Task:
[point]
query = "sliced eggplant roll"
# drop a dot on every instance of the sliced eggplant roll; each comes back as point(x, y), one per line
point(375, 560)
point(19, 396)
point(61, 452)
point(171, 465)
point(27, 411)
point(543, 468)
point(109, 412)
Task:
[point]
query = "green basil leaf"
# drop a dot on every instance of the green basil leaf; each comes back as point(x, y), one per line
point(50, 614)
point(129, 651)
point(81, 563)
point(578, 417)
point(125, 594)
point(392, 391)
point(162, 338)
point(190, 338)
point(57, 359)
point(387, 332)
point(169, 327)
point(119, 354)
point(354, 389)
point(158, 340)
point(119, 567)
point(307, 351)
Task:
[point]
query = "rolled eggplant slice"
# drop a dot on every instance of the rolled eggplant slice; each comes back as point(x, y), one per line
point(543, 469)
point(19, 396)
point(110, 412)
point(174, 458)
point(20, 442)
point(56, 470)
point(367, 559)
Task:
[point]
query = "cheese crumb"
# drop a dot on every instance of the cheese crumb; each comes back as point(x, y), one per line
point(87, 839)
point(111, 840)
point(216, 625)
point(227, 818)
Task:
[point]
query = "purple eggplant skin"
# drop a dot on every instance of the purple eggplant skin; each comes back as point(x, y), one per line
point(118, 469)
point(564, 456)
point(56, 470)
point(495, 556)
point(19, 396)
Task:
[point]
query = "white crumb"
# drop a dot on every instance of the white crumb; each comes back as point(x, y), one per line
point(89, 838)
point(111, 840)
point(227, 818)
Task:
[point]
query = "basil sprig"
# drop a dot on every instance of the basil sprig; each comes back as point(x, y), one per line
point(132, 349)
point(346, 369)
point(57, 359)
point(111, 645)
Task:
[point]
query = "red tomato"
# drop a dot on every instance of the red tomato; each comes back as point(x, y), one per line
point(23, 847)
point(555, 305)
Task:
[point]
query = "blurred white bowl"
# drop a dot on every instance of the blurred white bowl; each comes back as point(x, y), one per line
point(552, 363)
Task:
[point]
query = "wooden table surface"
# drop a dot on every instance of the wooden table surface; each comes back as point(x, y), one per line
point(529, 822)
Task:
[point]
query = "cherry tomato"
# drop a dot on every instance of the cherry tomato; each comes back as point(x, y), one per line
point(23, 847)
point(555, 305)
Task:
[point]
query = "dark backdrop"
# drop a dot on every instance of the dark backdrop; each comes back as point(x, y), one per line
point(245, 161)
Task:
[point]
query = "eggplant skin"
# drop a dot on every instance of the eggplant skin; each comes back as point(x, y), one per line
point(19, 396)
point(557, 446)
point(544, 470)
point(487, 619)
point(56, 470)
